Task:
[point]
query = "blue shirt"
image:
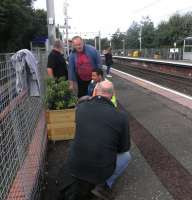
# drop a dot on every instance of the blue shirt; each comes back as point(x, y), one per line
point(91, 52)
point(91, 88)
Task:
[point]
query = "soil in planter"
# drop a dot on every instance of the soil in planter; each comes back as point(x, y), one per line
point(56, 157)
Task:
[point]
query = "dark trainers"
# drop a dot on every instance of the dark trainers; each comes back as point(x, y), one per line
point(103, 192)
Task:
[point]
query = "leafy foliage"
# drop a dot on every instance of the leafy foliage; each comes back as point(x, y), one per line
point(164, 35)
point(117, 40)
point(58, 95)
point(104, 42)
point(20, 23)
point(148, 32)
point(90, 41)
point(133, 36)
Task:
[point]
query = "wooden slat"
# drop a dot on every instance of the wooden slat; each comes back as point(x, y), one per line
point(57, 116)
point(61, 124)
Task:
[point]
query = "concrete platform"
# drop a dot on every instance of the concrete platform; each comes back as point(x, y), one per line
point(161, 130)
point(139, 182)
point(175, 62)
point(169, 124)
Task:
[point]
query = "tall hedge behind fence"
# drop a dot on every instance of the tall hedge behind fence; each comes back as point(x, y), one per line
point(23, 136)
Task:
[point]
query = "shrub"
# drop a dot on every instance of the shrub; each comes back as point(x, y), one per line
point(58, 95)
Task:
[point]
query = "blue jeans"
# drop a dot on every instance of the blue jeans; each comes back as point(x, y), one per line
point(108, 69)
point(122, 162)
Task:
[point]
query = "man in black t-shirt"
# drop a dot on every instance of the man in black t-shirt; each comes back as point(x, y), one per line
point(100, 150)
point(56, 66)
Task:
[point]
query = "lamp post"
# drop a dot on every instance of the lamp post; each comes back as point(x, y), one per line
point(99, 42)
point(110, 43)
point(124, 47)
point(50, 23)
point(66, 25)
point(175, 44)
point(140, 39)
point(95, 42)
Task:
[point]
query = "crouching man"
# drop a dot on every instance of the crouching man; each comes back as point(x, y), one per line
point(100, 150)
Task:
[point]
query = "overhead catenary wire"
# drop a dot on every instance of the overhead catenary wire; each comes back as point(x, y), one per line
point(147, 6)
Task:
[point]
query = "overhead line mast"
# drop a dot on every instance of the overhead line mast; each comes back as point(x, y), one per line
point(50, 23)
point(66, 24)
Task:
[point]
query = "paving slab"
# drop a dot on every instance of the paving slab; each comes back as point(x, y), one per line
point(139, 182)
point(167, 123)
point(172, 128)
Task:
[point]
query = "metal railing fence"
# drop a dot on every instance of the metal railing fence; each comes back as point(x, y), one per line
point(22, 134)
point(163, 53)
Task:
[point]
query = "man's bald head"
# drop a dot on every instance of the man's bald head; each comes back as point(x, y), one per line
point(104, 88)
point(78, 43)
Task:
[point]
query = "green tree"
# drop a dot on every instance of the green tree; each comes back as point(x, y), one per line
point(161, 35)
point(117, 40)
point(133, 36)
point(39, 22)
point(174, 30)
point(104, 43)
point(148, 33)
point(19, 24)
point(90, 41)
point(164, 35)
point(187, 24)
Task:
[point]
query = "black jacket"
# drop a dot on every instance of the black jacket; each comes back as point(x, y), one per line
point(57, 62)
point(101, 132)
point(108, 59)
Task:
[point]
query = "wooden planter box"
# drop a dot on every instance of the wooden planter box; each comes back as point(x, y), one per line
point(61, 124)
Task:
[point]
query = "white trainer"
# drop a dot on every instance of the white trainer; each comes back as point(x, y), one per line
point(109, 76)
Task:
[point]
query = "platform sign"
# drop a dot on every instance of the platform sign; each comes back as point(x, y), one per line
point(174, 50)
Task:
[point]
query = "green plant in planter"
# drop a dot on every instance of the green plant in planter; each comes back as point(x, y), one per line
point(58, 95)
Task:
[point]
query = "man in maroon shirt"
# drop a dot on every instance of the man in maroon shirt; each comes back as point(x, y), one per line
point(82, 60)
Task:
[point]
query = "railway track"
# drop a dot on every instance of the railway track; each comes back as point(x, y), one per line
point(171, 81)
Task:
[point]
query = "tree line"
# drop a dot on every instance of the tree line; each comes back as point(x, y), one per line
point(19, 24)
point(164, 35)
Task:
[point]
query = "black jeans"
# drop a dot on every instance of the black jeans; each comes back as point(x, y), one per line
point(72, 188)
point(108, 69)
point(82, 87)
point(78, 190)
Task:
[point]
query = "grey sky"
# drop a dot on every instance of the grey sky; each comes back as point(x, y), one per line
point(108, 15)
